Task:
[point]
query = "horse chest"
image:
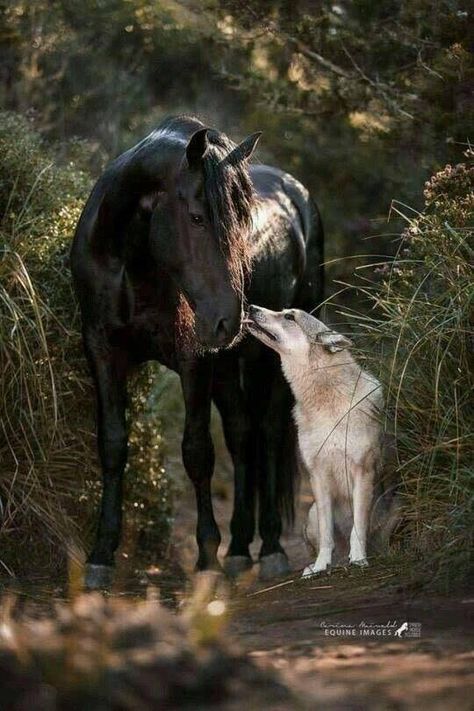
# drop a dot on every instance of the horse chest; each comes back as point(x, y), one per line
point(152, 338)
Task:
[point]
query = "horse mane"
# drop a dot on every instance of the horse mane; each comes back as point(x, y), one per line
point(230, 196)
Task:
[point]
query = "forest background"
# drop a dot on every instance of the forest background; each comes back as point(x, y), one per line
point(363, 102)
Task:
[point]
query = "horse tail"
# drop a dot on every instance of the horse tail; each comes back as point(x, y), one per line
point(309, 244)
point(289, 470)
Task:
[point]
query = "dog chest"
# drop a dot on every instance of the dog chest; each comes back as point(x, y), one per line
point(334, 439)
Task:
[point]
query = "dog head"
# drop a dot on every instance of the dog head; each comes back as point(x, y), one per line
point(293, 332)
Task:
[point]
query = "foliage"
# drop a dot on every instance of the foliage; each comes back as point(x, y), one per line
point(148, 490)
point(359, 99)
point(41, 448)
point(114, 63)
point(423, 323)
point(47, 451)
point(375, 63)
point(99, 653)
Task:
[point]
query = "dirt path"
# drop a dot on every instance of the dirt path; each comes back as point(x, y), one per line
point(333, 638)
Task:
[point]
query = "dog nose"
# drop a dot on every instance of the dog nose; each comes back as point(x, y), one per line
point(253, 310)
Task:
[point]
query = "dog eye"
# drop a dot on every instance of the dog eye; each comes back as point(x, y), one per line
point(196, 219)
point(289, 317)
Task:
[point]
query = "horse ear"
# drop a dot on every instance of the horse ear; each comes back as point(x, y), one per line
point(334, 342)
point(197, 148)
point(248, 145)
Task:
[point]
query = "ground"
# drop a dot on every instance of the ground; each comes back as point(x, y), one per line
point(331, 639)
point(287, 626)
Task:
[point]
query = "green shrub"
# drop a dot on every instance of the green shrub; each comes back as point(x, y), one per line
point(423, 326)
point(47, 449)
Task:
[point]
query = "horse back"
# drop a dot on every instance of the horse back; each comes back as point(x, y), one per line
point(287, 242)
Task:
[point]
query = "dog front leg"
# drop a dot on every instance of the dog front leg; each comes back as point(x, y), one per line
point(324, 506)
point(362, 500)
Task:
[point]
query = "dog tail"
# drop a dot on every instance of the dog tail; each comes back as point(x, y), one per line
point(385, 517)
point(386, 511)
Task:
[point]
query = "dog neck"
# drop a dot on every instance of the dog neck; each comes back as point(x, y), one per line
point(316, 371)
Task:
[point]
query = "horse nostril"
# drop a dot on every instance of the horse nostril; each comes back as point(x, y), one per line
point(222, 328)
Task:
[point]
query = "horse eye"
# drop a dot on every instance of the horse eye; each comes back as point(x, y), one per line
point(289, 317)
point(196, 219)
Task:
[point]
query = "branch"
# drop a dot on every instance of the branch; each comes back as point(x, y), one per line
point(378, 86)
point(307, 52)
point(300, 46)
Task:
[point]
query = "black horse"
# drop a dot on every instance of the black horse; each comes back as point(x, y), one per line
point(177, 235)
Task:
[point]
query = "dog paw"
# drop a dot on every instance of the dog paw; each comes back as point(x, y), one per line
point(314, 569)
point(361, 563)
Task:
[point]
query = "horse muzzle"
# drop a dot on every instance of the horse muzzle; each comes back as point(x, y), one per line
point(219, 329)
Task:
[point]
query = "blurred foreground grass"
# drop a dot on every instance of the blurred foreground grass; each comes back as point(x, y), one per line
point(98, 653)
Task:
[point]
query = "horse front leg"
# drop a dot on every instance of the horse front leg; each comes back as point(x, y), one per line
point(198, 455)
point(229, 399)
point(270, 412)
point(109, 371)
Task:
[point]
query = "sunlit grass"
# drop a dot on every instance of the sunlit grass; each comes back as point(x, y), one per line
point(421, 331)
point(49, 479)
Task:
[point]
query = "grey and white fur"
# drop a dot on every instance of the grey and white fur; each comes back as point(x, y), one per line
point(337, 413)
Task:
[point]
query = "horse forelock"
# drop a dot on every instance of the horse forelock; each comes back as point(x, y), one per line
point(230, 196)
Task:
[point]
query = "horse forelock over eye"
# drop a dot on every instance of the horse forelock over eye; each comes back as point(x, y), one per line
point(230, 196)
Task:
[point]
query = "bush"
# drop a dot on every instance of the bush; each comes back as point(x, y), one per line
point(97, 653)
point(424, 330)
point(47, 448)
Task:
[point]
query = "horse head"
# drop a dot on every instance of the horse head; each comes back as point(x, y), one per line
point(199, 232)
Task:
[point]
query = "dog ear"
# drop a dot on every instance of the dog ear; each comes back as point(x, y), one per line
point(334, 342)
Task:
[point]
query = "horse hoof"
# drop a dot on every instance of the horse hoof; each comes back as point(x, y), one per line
point(235, 565)
point(274, 565)
point(98, 576)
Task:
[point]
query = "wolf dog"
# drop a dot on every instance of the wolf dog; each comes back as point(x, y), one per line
point(337, 414)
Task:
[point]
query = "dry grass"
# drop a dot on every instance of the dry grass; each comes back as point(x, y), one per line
point(421, 329)
point(49, 481)
point(44, 452)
